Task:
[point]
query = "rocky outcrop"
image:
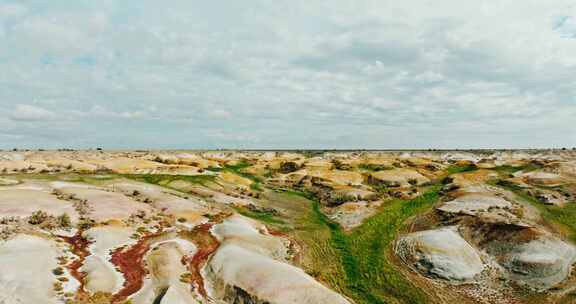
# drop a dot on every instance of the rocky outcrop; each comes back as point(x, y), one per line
point(250, 267)
point(440, 253)
point(474, 204)
point(397, 178)
point(540, 263)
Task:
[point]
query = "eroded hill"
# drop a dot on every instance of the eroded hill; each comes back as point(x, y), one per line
point(283, 227)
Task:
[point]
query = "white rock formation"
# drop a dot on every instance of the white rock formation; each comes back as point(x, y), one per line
point(440, 253)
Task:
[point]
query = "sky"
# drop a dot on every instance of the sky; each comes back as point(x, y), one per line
point(281, 74)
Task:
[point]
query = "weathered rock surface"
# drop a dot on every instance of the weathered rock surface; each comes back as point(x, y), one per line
point(26, 263)
point(248, 268)
point(440, 253)
point(474, 204)
point(398, 177)
point(541, 263)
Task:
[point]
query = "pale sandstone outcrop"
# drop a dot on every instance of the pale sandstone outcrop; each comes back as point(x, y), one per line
point(248, 267)
point(441, 253)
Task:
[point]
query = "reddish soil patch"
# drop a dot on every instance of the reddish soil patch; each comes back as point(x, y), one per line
point(130, 262)
point(79, 246)
point(276, 233)
point(207, 245)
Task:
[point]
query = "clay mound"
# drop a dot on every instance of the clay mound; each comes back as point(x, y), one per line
point(352, 214)
point(474, 204)
point(440, 253)
point(169, 201)
point(336, 178)
point(543, 178)
point(101, 274)
point(477, 177)
point(243, 276)
point(399, 177)
point(248, 268)
point(541, 263)
point(164, 283)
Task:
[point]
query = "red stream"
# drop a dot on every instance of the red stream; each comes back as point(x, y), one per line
point(79, 246)
point(207, 245)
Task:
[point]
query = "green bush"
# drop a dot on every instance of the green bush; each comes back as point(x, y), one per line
point(38, 217)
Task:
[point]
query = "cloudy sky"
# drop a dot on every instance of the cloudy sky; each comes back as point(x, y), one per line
point(287, 73)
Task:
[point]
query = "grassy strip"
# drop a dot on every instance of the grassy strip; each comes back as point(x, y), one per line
point(564, 216)
point(369, 274)
point(461, 168)
point(364, 273)
point(166, 178)
point(374, 167)
point(263, 216)
point(238, 170)
point(256, 186)
point(507, 169)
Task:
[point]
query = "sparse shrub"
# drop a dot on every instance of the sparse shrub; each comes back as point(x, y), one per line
point(186, 278)
point(339, 199)
point(85, 224)
point(381, 188)
point(339, 165)
point(289, 167)
point(58, 271)
point(64, 221)
point(374, 167)
point(57, 286)
point(38, 217)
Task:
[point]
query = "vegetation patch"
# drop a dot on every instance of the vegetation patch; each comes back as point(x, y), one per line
point(166, 178)
point(508, 170)
point(374, 167)
point(461, 168)
point(263, 215)
point(358, 264)
point(238, 170)
point(256, 186)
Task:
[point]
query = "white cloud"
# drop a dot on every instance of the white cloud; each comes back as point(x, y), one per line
point(298, 67)
point(99, 111)
point(220, 114)
point(12, 10)
point(24, 112)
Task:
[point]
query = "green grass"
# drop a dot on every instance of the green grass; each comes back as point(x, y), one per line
point(360, 268)
point(374, 167)
point(238, 170)
point(264, 216)
point(256, 186)
point(352, 263)
point(507, 169)
point(161, 178)
point(563, 216)
point(461, 168)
